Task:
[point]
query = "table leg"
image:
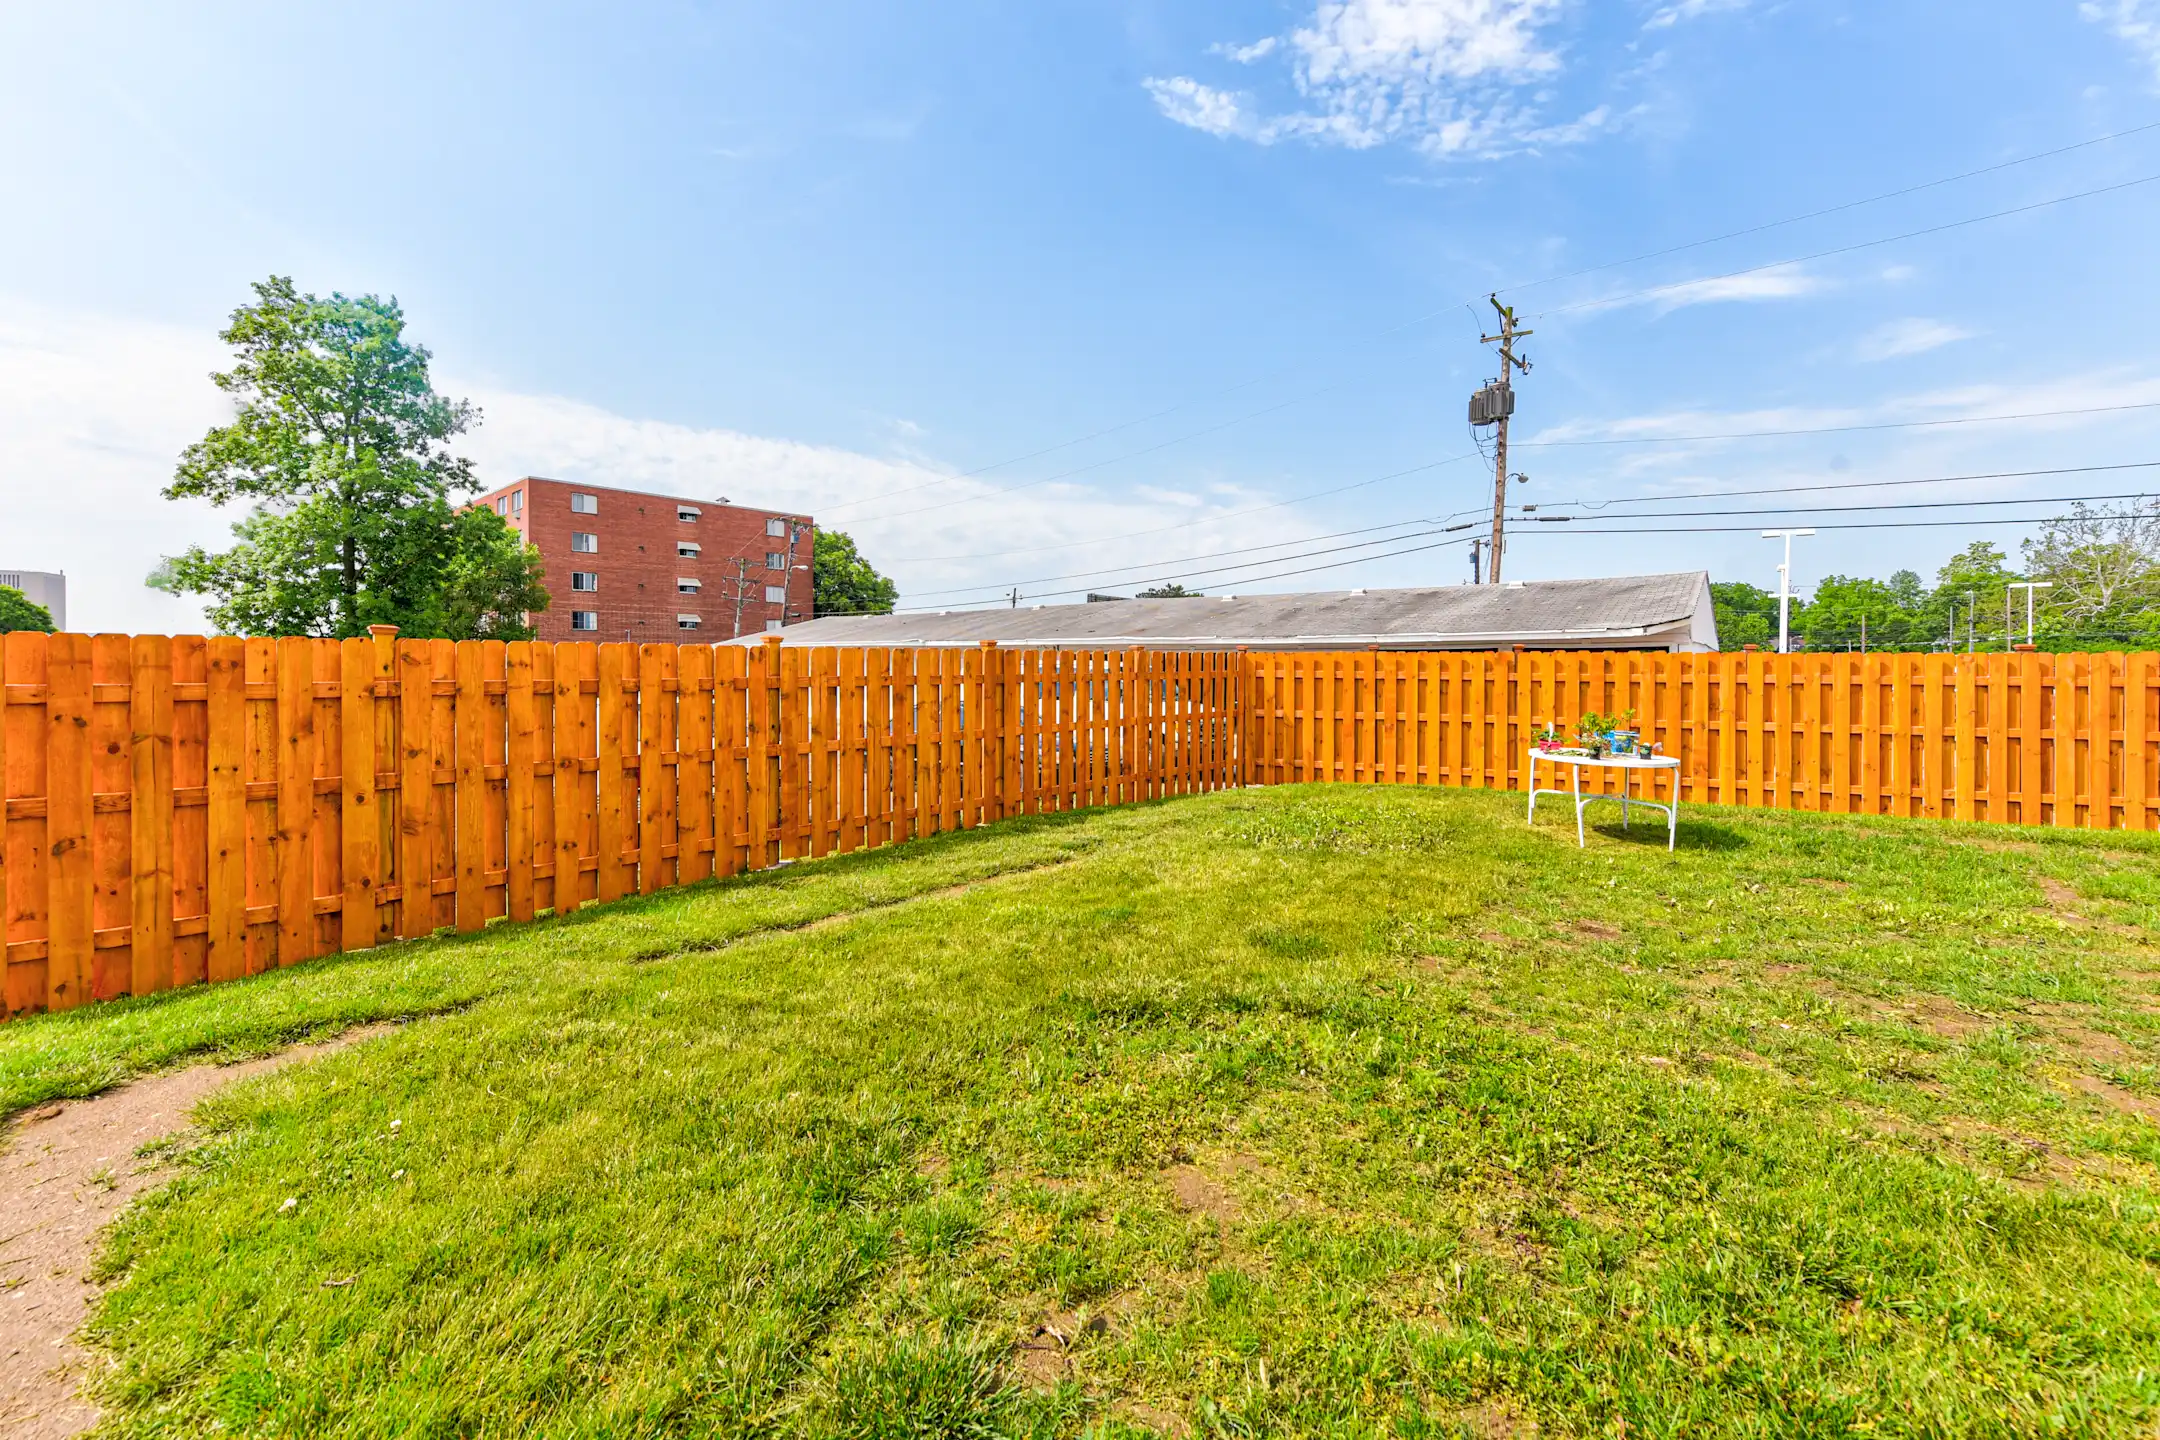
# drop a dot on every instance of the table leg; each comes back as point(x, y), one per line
point(1531, 818)
point(1625, 776)
point(1672, 816)
point(1579, 841)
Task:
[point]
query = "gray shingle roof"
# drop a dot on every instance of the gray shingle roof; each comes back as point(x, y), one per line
point(1578, 613)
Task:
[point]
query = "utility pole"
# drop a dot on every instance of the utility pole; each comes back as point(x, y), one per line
point(1784, 588)
point(787, 576)
point(1475, 546)
point(1500, 408)
point(1016, 597)
point(1972, 621)
point(742, 582)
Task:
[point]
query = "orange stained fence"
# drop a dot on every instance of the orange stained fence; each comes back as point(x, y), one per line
point(180, 809)
point(2061, 740)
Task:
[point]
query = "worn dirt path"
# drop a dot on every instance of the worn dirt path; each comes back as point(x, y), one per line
point(69, 1168)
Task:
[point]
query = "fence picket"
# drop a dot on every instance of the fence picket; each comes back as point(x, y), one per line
point(182, 809)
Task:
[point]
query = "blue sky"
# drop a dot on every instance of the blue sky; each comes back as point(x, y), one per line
point(875, 262)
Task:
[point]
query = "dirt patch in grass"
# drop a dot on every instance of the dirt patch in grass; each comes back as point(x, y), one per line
point(1494, 1420)
point(1042, 1363)
point(2060, 899)
point(1825, 884)
point(1196, 1194)
point(1940, 1017)
point(1597, 929)
point(1152, 1417)
point(70, 1167)
point(2093, 1047)
point(2117, 1098)
point(844, 917)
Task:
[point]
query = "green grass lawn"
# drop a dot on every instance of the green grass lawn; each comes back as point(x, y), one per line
point(1287, 1112)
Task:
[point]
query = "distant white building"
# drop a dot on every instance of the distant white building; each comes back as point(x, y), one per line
point(41, 587)
point(1629, 612)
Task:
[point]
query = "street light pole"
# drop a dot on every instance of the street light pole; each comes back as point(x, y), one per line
point(1784, 588)
point(2028, 586)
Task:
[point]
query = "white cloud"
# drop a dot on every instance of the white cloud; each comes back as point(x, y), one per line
point(1672, 15)
point(2135, 22)
point(94, 412)
point(1776, 282)
point(2079, 401)
point(1203, 107)
point(1246, 54)
point(1912, 336)
point(1443, 76)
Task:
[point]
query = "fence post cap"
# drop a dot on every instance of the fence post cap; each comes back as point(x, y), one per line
point(1751, 648)
point(987, 644)
point(383, 632)
point(2025, 649)
point(772, 640)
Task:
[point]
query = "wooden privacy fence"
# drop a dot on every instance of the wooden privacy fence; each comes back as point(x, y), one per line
point(180, 809)
point(2064, 740)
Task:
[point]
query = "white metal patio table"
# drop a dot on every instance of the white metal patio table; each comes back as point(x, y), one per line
point(1622, 763)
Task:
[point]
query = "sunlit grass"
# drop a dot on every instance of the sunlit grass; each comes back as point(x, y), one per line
point(1283, 1112)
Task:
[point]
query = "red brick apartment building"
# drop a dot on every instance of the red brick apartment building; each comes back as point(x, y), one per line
point(626, 565)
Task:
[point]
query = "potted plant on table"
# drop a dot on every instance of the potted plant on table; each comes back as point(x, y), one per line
point(1593, 732)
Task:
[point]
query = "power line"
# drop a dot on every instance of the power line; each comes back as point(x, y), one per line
point(1608, 301)
point(1903, 505)
point(1231, 570)
point(1847, 429)
point(1153, 568)
point(1830, 210)
point(1855, 485)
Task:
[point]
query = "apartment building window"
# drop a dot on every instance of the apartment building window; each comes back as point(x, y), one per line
point(502, 505)
point(776, 594)
point(776, 527)
point(686, 585)
point(776, 559)
point(584, 504)
point(584, 580)
point(584, 543)
point(686, 622)
point(686, 549)
point(517, 502)
point(686, 512)
point(584, 620)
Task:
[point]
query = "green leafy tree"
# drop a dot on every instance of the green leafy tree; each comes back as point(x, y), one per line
point(1967, 606)
point(19, 612)
point(1848, 610)
point(343, 447)
point(1746, 614)
point(2103, 567)
point(842, 582)
point(1170, 591)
